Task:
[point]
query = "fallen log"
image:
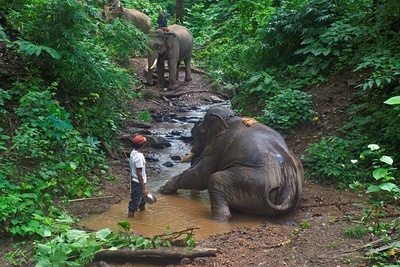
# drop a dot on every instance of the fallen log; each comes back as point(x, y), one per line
point(170, 253)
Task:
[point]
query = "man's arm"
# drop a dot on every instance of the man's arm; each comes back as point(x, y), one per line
point(141, 182)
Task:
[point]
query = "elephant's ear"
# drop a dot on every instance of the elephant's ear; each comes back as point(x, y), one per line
point(170, 39)
point(217, 126)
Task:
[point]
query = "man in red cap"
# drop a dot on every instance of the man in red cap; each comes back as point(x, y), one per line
point(137, 164)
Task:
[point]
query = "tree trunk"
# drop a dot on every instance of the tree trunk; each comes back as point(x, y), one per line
point(179, 12)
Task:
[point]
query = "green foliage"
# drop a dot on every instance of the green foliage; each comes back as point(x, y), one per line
point(123, 40)
point(372, 121)
point(3, 35)
point(76, 58)
point(29, 49)
point(329, 48)
point(356, 232)
point(223, 31)
point(260, 86)
point(286, 109)
point(77, 247)
point(386, 66)
point(57, 161)
point(3, 137)
point(383, 188)
point(4, 97)
point(144, 116)
point(329, 161)
point(46, 131)
point(383, 191)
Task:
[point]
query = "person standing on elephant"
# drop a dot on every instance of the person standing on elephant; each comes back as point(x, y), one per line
point(138, 178)
point(162, 21)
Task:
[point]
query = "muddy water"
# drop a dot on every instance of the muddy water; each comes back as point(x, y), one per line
point(187, 209)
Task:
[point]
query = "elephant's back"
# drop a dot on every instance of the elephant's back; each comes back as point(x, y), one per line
point(249, 142)
point(185, 38)
point(258, 135)
point(180, 31)
point(141, 20)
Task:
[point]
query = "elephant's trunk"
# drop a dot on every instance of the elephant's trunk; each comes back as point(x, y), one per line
point(151, 62)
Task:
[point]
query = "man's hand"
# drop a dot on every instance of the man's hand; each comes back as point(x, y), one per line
point(144, 191)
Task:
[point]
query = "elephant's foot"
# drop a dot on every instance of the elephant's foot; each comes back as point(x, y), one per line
point(161, 86)
point(219, 207)
point(188, 79)
point(221, 218)
point(221, 215)
point(173, 86)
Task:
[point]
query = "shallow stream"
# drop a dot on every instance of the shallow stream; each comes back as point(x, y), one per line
point(187, 209)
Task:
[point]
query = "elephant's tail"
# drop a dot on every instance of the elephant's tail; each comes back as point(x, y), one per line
point(284, 198)
point(285, 202)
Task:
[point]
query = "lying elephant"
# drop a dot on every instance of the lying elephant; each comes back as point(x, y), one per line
point(173, 45)
point(139, 19)
point(244, 165)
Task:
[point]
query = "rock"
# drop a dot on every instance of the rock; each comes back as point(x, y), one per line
point(176, 158)
point(186, 135)
point(168, 164)
point(186, 261)
point(158, 142)
point(152, 157)
point(176, 132)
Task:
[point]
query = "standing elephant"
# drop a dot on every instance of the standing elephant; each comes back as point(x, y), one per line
point(246, 167)
point(139, 19)
point(173, 45)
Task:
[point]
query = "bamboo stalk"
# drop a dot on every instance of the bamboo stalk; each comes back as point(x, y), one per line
point(89, 198)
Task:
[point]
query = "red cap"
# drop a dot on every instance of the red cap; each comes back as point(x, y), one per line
point(139, 139)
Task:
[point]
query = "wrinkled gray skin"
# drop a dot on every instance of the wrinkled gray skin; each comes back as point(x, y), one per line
point(173, 46)
point(139, 19)
point(247, 168)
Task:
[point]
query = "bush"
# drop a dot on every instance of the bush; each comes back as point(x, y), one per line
point(286, 109)
point(329, 161)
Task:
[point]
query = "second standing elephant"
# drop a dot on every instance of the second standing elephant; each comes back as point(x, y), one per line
point(173, 46)
point(139, 19)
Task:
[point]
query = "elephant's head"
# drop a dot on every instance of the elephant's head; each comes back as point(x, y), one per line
point(160, 44)
point(157, 43)
point(204, 131)
point(113, 11)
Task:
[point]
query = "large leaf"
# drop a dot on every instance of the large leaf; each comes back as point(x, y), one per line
point(387, 160)
point(388, 186)
point(379, 173)
point(102, 234)
point(125, 225)
point(393, 100)
point(372, 189)
point(76, 234)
